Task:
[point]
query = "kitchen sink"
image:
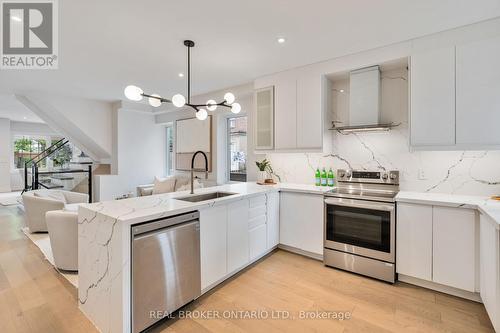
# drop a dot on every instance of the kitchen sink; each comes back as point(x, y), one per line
point(206, 196)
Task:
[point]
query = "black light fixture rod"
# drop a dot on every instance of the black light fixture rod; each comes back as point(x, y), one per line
point(189, 44)
point(164, 100)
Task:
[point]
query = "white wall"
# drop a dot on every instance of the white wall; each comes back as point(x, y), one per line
point(86, 123)
point(140, 154)
point(5, 154)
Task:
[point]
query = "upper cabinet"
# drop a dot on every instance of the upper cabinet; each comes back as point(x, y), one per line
point(264, 118)
point(478, 93)
point(432, 96)
point(298, 111)
point(454, 96)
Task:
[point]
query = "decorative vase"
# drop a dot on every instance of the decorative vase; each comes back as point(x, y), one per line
point(262, 176)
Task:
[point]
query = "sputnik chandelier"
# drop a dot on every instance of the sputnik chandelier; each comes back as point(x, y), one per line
point(136, 94)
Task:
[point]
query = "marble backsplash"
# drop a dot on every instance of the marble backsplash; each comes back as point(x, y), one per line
point(456, 172)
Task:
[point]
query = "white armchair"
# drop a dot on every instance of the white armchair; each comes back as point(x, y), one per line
point(37, 203)
point(63, 234)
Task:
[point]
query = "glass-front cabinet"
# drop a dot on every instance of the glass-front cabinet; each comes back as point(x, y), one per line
point(264, 118)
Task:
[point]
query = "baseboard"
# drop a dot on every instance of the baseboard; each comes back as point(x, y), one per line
point(441, 288)
point(238, 270)
point(301, 252)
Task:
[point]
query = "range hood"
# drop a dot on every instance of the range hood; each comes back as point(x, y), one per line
point(364, 101)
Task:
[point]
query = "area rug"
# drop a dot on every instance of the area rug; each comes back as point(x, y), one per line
point(10, 201)
point(42, 241)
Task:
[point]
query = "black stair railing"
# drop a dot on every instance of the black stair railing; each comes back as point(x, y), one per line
point(35, 183)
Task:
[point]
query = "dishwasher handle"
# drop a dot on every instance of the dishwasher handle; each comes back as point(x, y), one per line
point(163, 223)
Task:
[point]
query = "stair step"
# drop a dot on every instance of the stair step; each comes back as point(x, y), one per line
point(62, 177)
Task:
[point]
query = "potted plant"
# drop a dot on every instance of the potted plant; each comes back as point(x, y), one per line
point(266, 171)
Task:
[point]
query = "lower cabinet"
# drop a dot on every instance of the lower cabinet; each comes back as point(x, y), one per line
point(258, 241)
point(489, 269)
point(414, 241)
point(455, 235)
point(237, 235)
point(301, 221)
point(438, 244)
point(213, 245)
point(234, 234)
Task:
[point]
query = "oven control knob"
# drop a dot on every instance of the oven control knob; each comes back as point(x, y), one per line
point(341, 174)
point(348, 174)
point(393, 176)
point(384, 176)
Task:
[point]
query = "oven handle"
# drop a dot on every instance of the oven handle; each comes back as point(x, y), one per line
point(358, 204)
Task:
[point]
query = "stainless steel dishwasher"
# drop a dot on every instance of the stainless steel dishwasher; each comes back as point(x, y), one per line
point(165, 267)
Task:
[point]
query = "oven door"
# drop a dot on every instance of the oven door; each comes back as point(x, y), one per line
point(361, 227)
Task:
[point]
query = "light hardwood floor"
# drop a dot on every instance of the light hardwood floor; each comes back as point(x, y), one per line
point(34, 298)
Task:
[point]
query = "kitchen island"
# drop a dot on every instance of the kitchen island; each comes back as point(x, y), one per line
point(104, 243)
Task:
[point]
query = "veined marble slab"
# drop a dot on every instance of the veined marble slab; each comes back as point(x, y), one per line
point(485, 205)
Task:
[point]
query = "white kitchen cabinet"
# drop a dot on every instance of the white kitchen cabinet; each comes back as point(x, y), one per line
point(285, 111)
point(432, 97)
point(213, 244)
point(454, 247)
point(301, 221)
point(477, 95)
point(264, 118)
point(273, 219)
point(258, 241)
point(414, 240)
point(237, 235)
point(490, 269)
point(309, 110)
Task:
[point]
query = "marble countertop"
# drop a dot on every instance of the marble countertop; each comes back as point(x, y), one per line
point(141, 209)
point(485, 205)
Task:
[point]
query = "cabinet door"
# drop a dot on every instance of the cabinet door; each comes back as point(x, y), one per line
point(489, 269)
point(454, 247)
point(258, 241)
point(264, 118)
point(237, 235)
point(213, 244)
point(285, 111)
point(432, 111)
point(273, 220)
point(301, 221)
point(414, 240)
point(309, 111)
point(478, 97)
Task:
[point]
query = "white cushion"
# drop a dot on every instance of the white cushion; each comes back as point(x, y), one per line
point(196, 184)
point(181, 181)
point(164, 185)
point(71, 207)
point(55, 195)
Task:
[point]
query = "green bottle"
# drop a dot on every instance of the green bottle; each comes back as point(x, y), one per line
point(331, 178)
point(323, 178)
point(317, 177)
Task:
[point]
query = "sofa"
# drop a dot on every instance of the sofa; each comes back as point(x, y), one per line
point(63, 233)
point(38, 202)
point(181, 183)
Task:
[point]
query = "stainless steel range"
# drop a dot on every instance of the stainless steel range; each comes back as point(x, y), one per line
point(360, 223)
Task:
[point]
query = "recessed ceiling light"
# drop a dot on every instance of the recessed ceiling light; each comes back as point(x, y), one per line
point(281, 40)
point(16, 18)
point(181, 74)
point(341, 90)
point(25, 118)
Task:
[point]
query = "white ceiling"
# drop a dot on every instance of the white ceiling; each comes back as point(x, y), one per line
point(12, 109)
point(106, 45)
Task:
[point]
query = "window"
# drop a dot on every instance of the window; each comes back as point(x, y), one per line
point(26, 147)
point(170, 150)
point(237, 142)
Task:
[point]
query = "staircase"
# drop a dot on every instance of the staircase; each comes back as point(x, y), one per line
point(76, 178)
